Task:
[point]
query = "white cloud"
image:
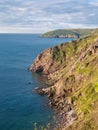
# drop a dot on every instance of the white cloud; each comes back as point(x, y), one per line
point(94, 4)
point(42, 15)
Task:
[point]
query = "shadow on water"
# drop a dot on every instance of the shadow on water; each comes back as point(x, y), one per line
point(41, 79)
point(51, 119)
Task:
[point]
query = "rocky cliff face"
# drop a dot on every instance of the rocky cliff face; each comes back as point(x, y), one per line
point(72, 68)
point(43, 62)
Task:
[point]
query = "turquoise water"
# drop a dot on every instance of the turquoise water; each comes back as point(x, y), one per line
point(19, 106)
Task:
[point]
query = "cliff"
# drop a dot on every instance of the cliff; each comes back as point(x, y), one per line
point(72, 71)
point(68, 33)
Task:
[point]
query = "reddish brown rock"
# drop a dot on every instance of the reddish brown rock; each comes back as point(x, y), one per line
point(43, 63)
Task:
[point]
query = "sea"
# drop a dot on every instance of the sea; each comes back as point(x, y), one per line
point(20, 107)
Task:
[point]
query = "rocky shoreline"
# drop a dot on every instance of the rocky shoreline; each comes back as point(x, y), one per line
point(61, 104)
point(61, 36)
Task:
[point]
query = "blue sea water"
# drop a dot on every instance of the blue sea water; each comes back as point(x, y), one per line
point(19, 106)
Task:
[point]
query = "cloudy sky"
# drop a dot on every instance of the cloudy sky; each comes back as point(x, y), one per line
point(36, 16)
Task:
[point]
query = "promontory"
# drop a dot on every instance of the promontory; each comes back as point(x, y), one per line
point(72, 74)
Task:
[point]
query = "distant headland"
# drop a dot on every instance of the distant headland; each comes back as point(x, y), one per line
point(68, 33)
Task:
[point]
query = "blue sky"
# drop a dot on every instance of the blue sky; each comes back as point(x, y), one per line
point(38, 16)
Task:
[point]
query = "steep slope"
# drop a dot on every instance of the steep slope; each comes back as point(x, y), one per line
point(72, 70)
point(68, 33)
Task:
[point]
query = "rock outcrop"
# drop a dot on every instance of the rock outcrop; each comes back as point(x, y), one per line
point(43, 63)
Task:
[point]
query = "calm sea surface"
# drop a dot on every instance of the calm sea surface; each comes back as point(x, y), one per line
point(19, 106)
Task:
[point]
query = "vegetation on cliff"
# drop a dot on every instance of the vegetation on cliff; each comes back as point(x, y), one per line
point(68, 33)
point(72, 71)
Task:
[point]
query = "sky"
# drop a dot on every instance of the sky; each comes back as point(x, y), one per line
point(39, 16)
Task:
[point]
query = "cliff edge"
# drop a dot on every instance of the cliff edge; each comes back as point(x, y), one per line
point(72, 70)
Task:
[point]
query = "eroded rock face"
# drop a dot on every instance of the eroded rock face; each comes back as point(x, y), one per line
point(43, 63)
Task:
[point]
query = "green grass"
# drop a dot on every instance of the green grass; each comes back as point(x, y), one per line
point(96, 87)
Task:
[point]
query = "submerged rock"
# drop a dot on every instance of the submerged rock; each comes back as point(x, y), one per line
point(39, 91)
point(29, 83)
